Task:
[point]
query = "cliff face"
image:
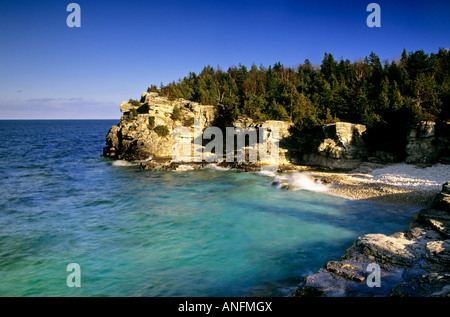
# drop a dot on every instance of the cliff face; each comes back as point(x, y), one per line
point(428, 142)
point(145, 132)
point(145, 129)
point(284, 134)
point(336, 145)
point(412, 263)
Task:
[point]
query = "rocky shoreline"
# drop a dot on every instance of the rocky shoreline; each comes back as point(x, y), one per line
point(362, 186)
point(412, 263)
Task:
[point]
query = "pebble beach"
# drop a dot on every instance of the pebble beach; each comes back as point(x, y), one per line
point(394, 184)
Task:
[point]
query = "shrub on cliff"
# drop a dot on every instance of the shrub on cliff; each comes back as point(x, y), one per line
point(134, 102)
point(151, 123)
point(188, 122)
point(176, 114)
point(132, 115)
point(161, 130)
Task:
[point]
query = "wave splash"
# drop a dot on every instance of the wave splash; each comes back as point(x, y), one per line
point(124, 163)
point(299, 181)
point(215, 167)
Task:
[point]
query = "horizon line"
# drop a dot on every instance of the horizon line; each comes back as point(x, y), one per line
point(28, 119)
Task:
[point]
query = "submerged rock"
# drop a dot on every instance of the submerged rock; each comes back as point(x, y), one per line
point(412, 263)
point(168, 165)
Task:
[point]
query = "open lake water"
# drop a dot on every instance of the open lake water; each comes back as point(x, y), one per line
point(133, 232)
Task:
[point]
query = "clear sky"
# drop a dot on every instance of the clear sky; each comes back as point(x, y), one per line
point(48, 70)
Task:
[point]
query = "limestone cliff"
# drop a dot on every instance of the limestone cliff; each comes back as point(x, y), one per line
point(145, 128)
point(145, 132)
point(337, 145)
point(428, 142)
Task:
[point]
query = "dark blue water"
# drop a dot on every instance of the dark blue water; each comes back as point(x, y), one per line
point(147, 233)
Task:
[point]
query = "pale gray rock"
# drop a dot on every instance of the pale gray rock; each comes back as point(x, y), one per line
point(339, 145)
point(412, 263)
point(133, 138)
point(125, 106)
point(428, 142)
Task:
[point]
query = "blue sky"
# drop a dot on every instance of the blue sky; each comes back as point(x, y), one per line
point(50, 71)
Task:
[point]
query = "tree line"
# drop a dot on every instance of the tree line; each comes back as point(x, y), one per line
point(386, 97)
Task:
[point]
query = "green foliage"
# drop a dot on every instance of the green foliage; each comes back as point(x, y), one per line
point(151, 123)
point(188, 122)
point(134, 102)
point(132, 115)
point(365, 91)
point(176, 114)
point(152, 88)
point(161, 130)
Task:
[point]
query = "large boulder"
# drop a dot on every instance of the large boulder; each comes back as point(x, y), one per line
point(126, 106)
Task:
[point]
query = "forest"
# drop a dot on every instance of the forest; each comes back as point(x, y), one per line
point(386, 97)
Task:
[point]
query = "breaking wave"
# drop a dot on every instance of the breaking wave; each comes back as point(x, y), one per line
point(217, 168)
point(299, 181)
point(124, 163)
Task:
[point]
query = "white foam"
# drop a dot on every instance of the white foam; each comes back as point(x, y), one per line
point(148, 158)
point(184, 168)
point(217, 168)
point(301, 181)
point(267, 173)
point(124, 163)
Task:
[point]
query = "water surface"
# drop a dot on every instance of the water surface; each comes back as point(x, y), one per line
point(151, 233)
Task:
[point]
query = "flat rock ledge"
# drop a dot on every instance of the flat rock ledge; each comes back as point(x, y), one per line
point(167, 164)
point(414, 263)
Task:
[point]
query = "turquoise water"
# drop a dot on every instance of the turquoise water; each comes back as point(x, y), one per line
point(145, 233)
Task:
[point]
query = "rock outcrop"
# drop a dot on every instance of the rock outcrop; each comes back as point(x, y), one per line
point(284, 134)
point(145, 133)
point(338, 145)
point(145, 128)
point(412, 263)
point(428, 143)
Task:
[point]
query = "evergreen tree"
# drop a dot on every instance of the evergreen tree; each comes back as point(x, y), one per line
point(414, 88)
